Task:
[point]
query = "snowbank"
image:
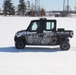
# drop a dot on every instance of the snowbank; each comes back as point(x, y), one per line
point(10, 25)
point(34, 60)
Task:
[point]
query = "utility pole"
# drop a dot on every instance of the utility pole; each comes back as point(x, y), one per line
point(37, 7)
point(75, 8)
point(64, 12)
point(67, 6)
point(63, 5)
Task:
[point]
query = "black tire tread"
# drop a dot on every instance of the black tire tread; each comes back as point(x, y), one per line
point(17, 42)
point(64, 48)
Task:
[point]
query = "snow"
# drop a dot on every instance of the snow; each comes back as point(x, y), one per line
point(35, 60)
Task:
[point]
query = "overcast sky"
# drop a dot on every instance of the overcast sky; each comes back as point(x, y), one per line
point(47, 4)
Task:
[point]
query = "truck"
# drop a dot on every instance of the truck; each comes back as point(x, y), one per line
point(43, 32)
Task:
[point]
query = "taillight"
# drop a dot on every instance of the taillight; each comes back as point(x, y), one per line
point(72, 34)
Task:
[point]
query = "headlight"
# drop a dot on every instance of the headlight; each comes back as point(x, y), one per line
point(16, 34)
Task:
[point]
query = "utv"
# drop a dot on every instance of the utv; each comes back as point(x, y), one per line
point(43, 32)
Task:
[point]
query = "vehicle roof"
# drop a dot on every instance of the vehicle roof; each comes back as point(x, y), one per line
point(44, 19)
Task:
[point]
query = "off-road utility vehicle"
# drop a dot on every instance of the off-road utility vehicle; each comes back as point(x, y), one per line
point(43, 32)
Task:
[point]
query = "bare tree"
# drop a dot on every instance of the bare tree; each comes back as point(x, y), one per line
point(42, 12)
point(32, 10)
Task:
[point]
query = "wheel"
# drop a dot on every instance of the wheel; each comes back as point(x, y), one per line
point(65, 46)
point(20, 44)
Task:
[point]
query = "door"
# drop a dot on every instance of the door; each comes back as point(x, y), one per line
point(48, 38)
point(33, 35)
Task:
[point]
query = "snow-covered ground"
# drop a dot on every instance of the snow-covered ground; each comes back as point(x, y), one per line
point(35, 60)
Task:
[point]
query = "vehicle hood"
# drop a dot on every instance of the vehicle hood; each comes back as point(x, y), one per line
point(21, 33)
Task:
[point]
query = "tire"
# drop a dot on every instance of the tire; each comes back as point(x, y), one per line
point(20, 44)
point(64, 46)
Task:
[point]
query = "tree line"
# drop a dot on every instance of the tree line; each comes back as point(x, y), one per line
point(23, 9)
